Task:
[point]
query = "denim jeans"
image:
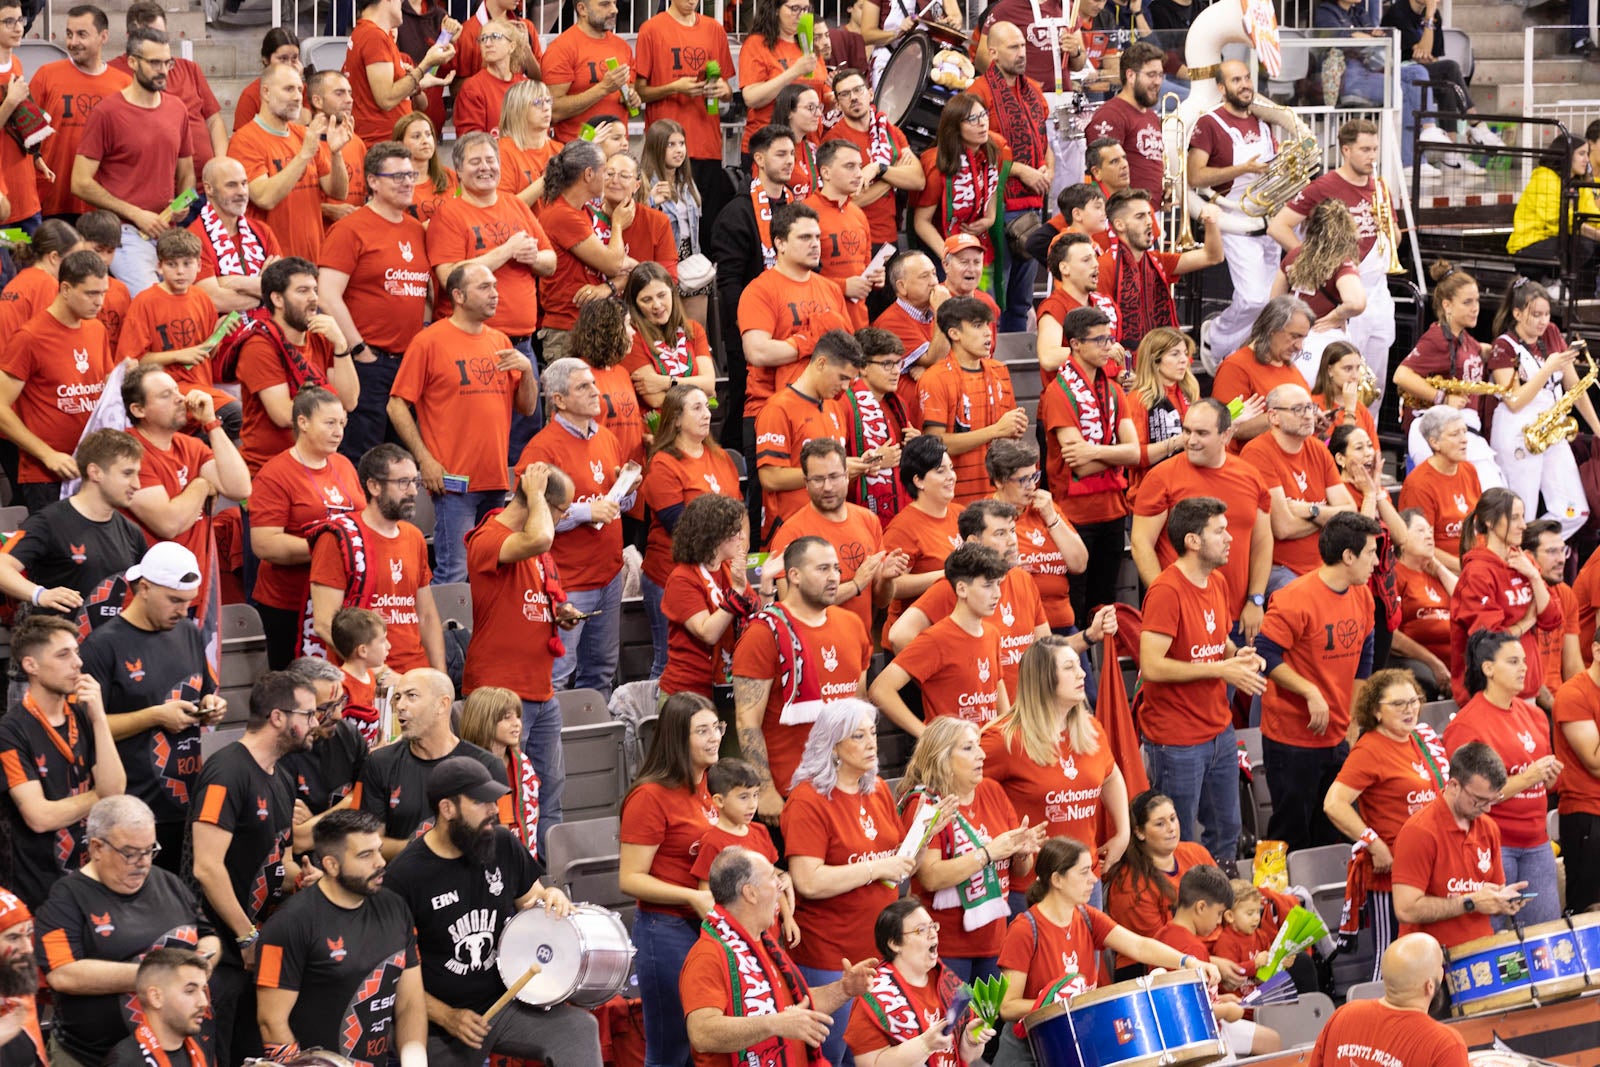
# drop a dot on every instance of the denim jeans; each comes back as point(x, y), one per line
point(663, 943)
point(368, 425)
point(541, 743)
point(658, 625)
point(134, 263)
point(1537, 867)
point(1019, 289)
point(971, 968)
point(454, 516)
point(1297, 779)
point(593, 644)
point(833, 1049)
point(1203, 782)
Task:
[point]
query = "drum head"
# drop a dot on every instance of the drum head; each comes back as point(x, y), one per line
point(536, 936)
point(904, 77)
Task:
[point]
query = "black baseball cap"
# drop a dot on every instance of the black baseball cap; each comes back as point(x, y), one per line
point(463, 776)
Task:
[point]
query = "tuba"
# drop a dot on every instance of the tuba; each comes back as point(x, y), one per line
point(1556, 425)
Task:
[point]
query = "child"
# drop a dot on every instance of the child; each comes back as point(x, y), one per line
point(103, 230)
point(1244, 938)
point(735, 787)
point(362, 641)
point(1204, 896)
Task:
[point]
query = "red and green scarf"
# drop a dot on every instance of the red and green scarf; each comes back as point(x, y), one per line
point(1143, 294)
point(879, 491)
point(895, 1013)
point(1099, 413)
point(754, 981)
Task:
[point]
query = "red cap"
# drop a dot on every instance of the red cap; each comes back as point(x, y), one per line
point(12, 910)
point(960, 242)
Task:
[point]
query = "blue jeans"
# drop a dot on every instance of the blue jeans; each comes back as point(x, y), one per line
point(663, 943)
point(658, 625)
point(368, 425)
point(454, 516)
point(1412, 75)
point(1537, 867)
point(593, 644)
point(134, 263)
point(1019, 289)
point(833, 1049)
point(971, 968)
point(541, 743)
point(1203, 782)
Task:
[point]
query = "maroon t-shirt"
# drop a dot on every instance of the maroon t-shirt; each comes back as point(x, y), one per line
point(187, 81)
point(1139, 133)
point(1214, 134)
point(1356, 197)
point(1452, 357)
point(1326, 297)
point(1041, 67)
point(138, 149)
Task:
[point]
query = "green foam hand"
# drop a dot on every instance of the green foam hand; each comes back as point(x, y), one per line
point(987, 994)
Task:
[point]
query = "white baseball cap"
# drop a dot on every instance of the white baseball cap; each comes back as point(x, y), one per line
point(169, 565)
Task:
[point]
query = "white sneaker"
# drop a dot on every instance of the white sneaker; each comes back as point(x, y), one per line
point(1434, 135)
point(1430, 173)
point(1480, 133)
point(1554, 289)
point(1469, 167)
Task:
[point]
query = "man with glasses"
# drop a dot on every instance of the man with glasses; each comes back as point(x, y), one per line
point(136, 156)
point(1448, 878)
point(589, 70)
point(158, 688)
point(374, 282)
point(1303, 483)
point(377, 559)
point(325, 773)
point(69, 90)
point(1130, 117)
point(238, 851)
point(1136, 275)
point(673, 50)
point(889, 166)
point(1268, 360)
point(1559, 654)
point(803, 411)
point(186, 80)
point(101, 920)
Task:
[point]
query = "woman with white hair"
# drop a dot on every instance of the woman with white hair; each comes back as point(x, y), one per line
point(842, 836)
point(1445, 485)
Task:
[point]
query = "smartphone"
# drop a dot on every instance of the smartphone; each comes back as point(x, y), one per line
point(1526, 896)
point(588, 614)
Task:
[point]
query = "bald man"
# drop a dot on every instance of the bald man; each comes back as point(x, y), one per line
point(1395, 1029)
point(394, 780)
point(233, 249)
point(1228, 150)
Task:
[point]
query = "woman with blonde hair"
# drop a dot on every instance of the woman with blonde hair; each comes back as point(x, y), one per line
point(435, 181)
point(1322, 272)
point(1050, 743)
point(525, 142)
point(1163, 388)
point(481, 97)
point(491, 718)
point(964, 873)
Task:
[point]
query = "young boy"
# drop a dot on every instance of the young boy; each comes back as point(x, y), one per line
point(170, 324)
point(1204, 896)
point(735, 788)
point(103, 231)
point(1244, 938)
point(362, 641)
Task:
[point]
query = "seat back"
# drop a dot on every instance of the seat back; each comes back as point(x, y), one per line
point(1364, 991)
point(11, 518)
point(584, 858)
point(1458, 46)
point(244, 658)
point(582, 707)
point(596, 769)
point(1323, 871)
point(325, 53)
point(454, 601)
point(1298, 1023)
point(1438, 714)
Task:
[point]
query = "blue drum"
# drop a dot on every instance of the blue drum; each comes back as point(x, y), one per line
point(1489, 974)
point(1558, 967)
point(1152, 1021)
point(1586, 931)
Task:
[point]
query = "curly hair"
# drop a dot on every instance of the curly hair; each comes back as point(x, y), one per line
point(600, 338)
point(1330, 240)
point(1364, 712)
point(707, 521)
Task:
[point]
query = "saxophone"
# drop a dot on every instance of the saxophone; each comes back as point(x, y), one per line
point(1556, 425)
point(1453, 387)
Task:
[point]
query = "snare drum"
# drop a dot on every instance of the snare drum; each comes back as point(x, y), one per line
point(585, 957)
point(1558, 967)
point(1488, 974)
point(1149, 1021)
point(1586, 931)
point(907, 94)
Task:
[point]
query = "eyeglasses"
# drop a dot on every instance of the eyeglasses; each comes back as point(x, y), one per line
point(817, 108)
point(921, 931)
point(977, 118)
point(797, 9)
point(717, 729)
point(12, 23)
point(1102, 341)
point(130, 854)
point(404, 177)
point(884, 364)
point(1402, 705)
point(415, 483)
point(845, 94)
point(826, 479)
point(337, 704)
point(156, 64)
point(311, 714)
point(1480, 801)
point(541, 101)
point(485, 38)
point(1297, 409)
point(1024, 479)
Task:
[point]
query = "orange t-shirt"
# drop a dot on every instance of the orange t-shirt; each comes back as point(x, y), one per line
point(1322, 634)
point(260, 369)
point(427, 198)
point(297, 218)
point(881, 213)
point(370, 45)
point(1236, 483)
point(1586, 587)
point(959, 399)
point(69, 97)
point(460, 230)
point(1433, 854)
point(922, 1008)
point(1443, 499)
point(114, 310)
point(856, 536)
point(521, 167)
point(17, 174)
point(398, 567)
point(387, 264)
point(1304, 477)
point(1577, 701)
point(671, 481)
point(1197, 619)
point(668, 50)
point(1077, 498)
point(172, 469)
point(286, 493)
point(63, 371)
point(990, 814)
point(841, 828)
point(463, 404)
point(676, 360)
point(786, 309)
point(1521, 735)
point(161, 321)
point(761, 62)
point(1395, 781)
point(25, 295)
point(578, 61)
point(846, 247)
point(840, 651)
point(480, 101)
point(511, 609)
point(1019, 614)
point(1371, 1033)
point(672, 820)
point(1143, 909)
point(756, 838)
point(587, 558)
point(1241, 375)
point(1424, 610)
point(1047, 953)
point(1550, 641)
point(1040, 557)
point(567, 227)
point(1064, 795)
point(648, 238)
point(692, 665)
point(705, 982)
point(355, 155)
point(927, 540)
point(959, 673)
point(786, 424)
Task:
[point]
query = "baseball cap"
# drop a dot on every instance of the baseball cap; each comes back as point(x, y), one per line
point(463, 775)
point(12, 910)
point(169, 565)
point(960, 242)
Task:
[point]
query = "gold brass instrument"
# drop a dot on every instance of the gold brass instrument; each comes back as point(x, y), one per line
point(1299, 160)
point(1383, 208)
point(1453, 387)
point(1176, 233)
point(1551, 427)
point(1367, 391)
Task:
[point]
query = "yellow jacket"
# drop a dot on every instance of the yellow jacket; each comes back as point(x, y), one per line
point(1538, 210)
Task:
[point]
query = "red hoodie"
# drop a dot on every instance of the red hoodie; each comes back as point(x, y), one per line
point(1492, 596)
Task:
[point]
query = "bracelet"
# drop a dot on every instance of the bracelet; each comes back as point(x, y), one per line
point(988, 860)
point(1185, 960)
point(214, 424)
point(1053, 525)
point(1369, 836)
point(38, 594)
point(248, 939)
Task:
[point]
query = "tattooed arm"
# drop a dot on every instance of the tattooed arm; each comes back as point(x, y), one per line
point(749, 708)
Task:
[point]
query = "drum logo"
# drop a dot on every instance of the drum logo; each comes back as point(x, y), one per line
point(544, 953)
point(1124, 1029)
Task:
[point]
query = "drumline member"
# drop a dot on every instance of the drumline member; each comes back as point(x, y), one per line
point(1396, 1026)
point(888, 164)
point(171, 1001)
point(465, 880)
point(19, 985)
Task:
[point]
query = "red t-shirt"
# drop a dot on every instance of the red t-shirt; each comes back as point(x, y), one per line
point(847, 246)
point(63, 371)
point(69, 97)
point(567, 227)
point(460, 231)
point(463, 404)
point(882, 143)
point(469, 50)
point(578, 61)
point(927, 540)
point(261, 368)
point(1586, 587)
point(692, 665)
point(856, 536)
point(209, 266)
point(1424, 610)
point(399, 568)
point(1142, 908)
point(16, 166)
point(161, 321)
point(1358, 198)
point(29, 292)
point(297, 218)
point(186, 82)
point(480, 101)
point(138, 149)
point(785, 309)
point(387, 266)
point(1064, 795)
point(959, 673)
point(668, 50)
point(787, 423)
point(1236, 483)
point(286, 493)
point(511, 609)
point(587, 558)
point(172, 469)
point(1184, 940)
point(1371, 1033)
point(1103, 497)
point(672, 820)
point(1219, 132)
point(1521, 736)
point(1552, 641)
point(755, 838)
point(1325, 297)
point(706, 982)
point(1577, 701)
point(1435, 855)
point(114, 310)
point(1491, 596)
point(620, 411)
point(370, 45)
point(672, 481)
point(1241, 375)
point(1304, 476)
point(1444, 499)
point(1017, 618)
point(1047, 953)
point(1322, 634)
point(990, 814)
point(521, 167)
point(1395, 782)
point(1198, 620)
point(1038, 555)
point(1138, 130)
point(960, 399)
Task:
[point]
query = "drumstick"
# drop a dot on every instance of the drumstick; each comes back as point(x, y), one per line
point(510, 994)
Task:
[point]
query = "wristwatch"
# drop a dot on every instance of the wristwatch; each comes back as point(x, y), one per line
point(1316, 509)
point(1258, 599)
point(1469, 905)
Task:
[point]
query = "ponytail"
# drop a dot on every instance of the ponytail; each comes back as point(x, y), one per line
point(568, 165)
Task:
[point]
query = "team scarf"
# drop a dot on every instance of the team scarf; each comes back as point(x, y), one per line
point(742, 606)
point(674, 360)
point(1143, 295)
point(1098, 418)
point(1360, 876)
point(241, 256)
point(981, 898)
point(258, 322)
point(763, 208)
point(880, 142)
point(524, 799)
point(753, 983)
point(154, 1055)
point(879, 491)
point(892, 1009)
point(805, 161)
point(350, 541)
point(966, 196)
point(799, 679)
point(1020, 115)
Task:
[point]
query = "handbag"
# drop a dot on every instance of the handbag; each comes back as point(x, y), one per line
point(1019, 229)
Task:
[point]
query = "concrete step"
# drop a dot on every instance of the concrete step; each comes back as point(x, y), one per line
point(222, 59)
point(1566, 70)
point(1508, 98)
point(1487, 18)
point(1501, 44)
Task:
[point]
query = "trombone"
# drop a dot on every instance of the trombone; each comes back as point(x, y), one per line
point(1176, 233)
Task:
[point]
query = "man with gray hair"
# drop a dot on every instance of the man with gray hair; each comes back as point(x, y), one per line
point(588, 539)
point(772, 1014)
point(100, 920)
point(325, 774)
point(234, 250)
point(1268, 360)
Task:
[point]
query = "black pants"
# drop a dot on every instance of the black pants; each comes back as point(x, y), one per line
point(1579, 264)
point(1382, 636)
point(233, 1008)
point(1453, 97)
point(716, 192)
point(1298, 778)
point(283, 634)
point(1580, 848)
point(1097, 585)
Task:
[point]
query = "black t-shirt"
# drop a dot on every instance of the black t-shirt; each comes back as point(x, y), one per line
point(459, 909)
point(84, 920)
point(140, 669)
point(235, 794)
point(129, 1054)
point(326, 774)
point(1400, 16)
point(394, 786)
point(58, 546)
point(20, 1051)
point(61, 760)
point(346, 965)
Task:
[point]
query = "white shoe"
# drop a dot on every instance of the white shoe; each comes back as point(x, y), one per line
point(1480, 133)
point(1434, 135)
point(1469, 167)
point(1554, 289)
point(1430, 173)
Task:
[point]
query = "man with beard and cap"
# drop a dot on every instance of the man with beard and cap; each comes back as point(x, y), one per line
point(339, 967)
point(377, 559)
point(589, 70)
point(68, 90)
point(238, 846)
point(234, 250)
point(464, 880)
point(325, 774)
point(1137, 276)
point(1228, 149)
point(158, 688)
point(101, 920)
point(170, 986)
point(21, 1042)
point(394, 780)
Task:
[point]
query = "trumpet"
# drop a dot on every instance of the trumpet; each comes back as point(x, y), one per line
point(1176, 233)
point(1556, 425)
point(1453, 387)
point(1383, 209)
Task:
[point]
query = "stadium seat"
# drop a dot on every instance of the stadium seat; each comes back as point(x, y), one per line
point(1322, 870)
point(583, 859)
point(454, 601)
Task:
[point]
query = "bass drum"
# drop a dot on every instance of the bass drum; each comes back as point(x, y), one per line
point(585, 957)
point(907, 94)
